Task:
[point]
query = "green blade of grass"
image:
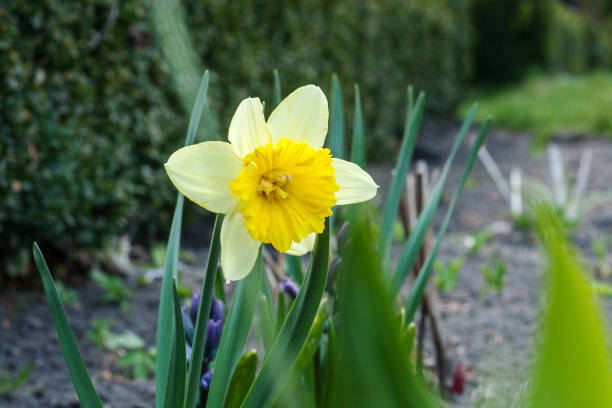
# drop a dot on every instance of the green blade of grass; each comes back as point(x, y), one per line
point(572, 366)
point(175, 387)
point(417, 235)
point(165, 315)
point(76, 367)
point(336, 119)
point(417, 291)
point(235, 334)
point(411, 130)
point(358, 147)
point(199, 336)
point(277, 95)
point(284, 351)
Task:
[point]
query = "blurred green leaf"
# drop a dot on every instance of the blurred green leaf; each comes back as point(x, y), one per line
point(284, 351)
point(10, 382)
point(411, 130)
point(76, 367)
point(572, 358)
point(235, 335)
point(417, 235)
point(312, 341)
point(174, 393)
point(241, 380)
point(358, 145)
point(418, 289)
point(165, 315)
point(141, 362)
point(277, 95)
point(199, 338)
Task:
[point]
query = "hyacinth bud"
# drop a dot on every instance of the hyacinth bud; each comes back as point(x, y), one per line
point(188, 352)
point(217, 310)
point(290, 288)
point(206, 379)
point(213, 335)
point(195, 304)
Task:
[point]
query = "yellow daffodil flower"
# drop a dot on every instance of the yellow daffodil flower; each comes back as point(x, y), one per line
point(274, 181)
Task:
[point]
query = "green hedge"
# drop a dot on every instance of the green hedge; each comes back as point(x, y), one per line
point(383, 45)
point(90, 112)
point(510, 37)
point(569, 41)
point(87, 120)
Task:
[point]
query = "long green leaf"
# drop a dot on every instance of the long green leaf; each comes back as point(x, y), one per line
point(242, 379)
point(277, 95)
point(175, 387)
point(294, 266)
point(417, 235)
point(165, 315)
point(572, 357)
point(358, 146)
point(411, 130)
point(266, 325)
point(235, 334)
point(417, 291)
point(335, 140)
point(76, 367)
point(199, 336)
point(279, 360)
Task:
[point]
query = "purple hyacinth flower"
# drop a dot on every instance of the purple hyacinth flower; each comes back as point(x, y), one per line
point(195, 303)
point(290, 288)
point(217, 310)
point(206, 379)
point(213, 334)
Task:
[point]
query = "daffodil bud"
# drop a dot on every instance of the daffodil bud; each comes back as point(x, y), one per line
point(290, 288)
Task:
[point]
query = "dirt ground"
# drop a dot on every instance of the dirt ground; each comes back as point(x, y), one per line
point(490, 336)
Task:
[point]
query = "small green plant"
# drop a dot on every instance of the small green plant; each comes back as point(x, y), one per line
point(114, 289)
point(494, 276)
point(69, 296)
point(12, 381)
point(477, 241)
point(140, 362)
point(100, 332)
point(447, 273)
point(600, 248)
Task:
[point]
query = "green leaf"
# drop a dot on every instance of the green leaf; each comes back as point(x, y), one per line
point(572, 359)
point(374, 365)
point(241, 380)
point(358, 146)
point(284, 351)
point(219, 289)
point(335, 141)
point(411, 130)
point(175, 387)
point(417, 291)
point(294, 266)
point(235, 334)
point(165, 315)
point(76, 367)
point(312, 341)
point(266, 325)
point(277, 95)
point(199, 337)
point(417, 235)
point(281, 311)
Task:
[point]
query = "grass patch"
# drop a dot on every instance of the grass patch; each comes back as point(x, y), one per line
point(548, 105)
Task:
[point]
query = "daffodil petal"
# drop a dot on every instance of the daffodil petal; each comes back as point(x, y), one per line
point(248, 129)
point(203, 173)
point(355, 184)
point(238, 249)
point(304, 246)
point(302, 116)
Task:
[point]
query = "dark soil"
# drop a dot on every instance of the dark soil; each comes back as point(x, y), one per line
point(490, 336)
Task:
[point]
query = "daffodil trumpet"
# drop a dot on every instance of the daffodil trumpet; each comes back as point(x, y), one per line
point(274, 180)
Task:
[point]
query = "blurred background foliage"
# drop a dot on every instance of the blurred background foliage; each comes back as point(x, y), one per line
point(94, 101)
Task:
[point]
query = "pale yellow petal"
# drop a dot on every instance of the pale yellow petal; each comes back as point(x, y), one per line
point(203, 173)
point(355, 184)
point(302, 116)
point(238, 249)
point(304, 246)
point(248, 129)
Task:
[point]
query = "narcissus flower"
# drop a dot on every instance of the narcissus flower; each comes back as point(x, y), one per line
point(274, 180)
